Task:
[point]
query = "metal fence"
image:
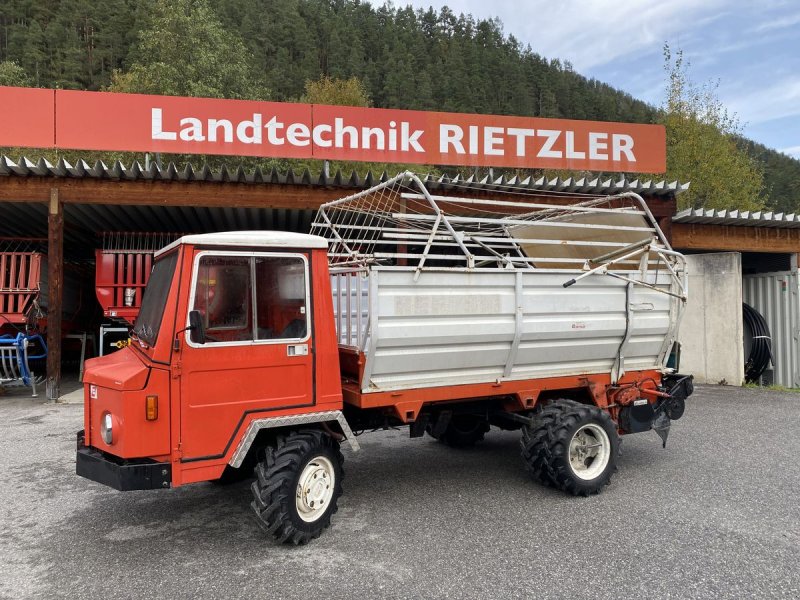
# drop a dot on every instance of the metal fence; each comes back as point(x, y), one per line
point(776, 297)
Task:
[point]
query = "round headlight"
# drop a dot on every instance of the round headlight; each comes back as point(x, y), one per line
point(106, 429)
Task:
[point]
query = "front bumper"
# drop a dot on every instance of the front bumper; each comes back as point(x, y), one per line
point(123, 475)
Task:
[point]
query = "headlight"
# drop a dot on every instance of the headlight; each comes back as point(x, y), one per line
point(106, 429)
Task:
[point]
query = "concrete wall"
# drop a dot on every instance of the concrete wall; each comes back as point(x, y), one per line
point(711, 330)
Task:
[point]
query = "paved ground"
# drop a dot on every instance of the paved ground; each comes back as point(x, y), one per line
point(714, 515)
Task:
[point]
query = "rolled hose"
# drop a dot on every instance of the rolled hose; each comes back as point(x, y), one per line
point(759, 341)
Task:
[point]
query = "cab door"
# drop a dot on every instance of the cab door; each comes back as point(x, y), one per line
point(258, 356)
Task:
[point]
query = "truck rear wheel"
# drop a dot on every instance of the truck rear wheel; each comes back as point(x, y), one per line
point(572, 447)
point(462, 431)
point(297, 486)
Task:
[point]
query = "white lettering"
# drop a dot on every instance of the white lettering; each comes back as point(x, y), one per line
point(622, 144)
point(473, 139)
point(546, 150)
point(254, 126)
point(373, 132)
point(213, 127)
point(571, 153)
point(298, 134)
point(392, 135)
point(450, 135)
point(521, 134)
point(341, 130)
point(407, 140)
point(273, 127)
point(317, 136)
point(192, 130)
point(492, 137)
point(156, 131)
point(598, 142)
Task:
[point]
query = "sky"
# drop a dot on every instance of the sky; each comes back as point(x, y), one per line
point(750, 47)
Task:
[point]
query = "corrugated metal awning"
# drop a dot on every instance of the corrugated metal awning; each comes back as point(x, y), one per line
point(738, 218)
point(26, 167)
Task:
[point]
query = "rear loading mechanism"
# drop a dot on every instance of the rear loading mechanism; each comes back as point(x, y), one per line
point(261, 352)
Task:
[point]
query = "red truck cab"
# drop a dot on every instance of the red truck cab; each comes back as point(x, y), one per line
point(170, 409)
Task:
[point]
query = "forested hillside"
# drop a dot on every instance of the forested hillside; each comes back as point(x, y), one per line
point(430, 59)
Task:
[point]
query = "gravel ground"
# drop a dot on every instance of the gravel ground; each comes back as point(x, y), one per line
point(714, 515)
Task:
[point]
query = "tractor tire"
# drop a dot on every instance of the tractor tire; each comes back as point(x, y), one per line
point(572, 447)
point(297, 486)
point(463, 431)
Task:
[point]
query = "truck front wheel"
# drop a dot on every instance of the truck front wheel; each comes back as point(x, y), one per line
point(298, 483)
point(572, 447)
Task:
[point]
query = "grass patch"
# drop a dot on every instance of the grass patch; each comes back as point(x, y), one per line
point(773, 388)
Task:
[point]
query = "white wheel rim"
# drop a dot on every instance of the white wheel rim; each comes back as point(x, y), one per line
point(315, 489)
point(589, 452)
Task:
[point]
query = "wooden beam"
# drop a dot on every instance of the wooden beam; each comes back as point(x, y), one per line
point(693, 236)
point(170, 193)
point(55, 292)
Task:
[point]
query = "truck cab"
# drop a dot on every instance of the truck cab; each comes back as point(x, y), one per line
point(233, 327)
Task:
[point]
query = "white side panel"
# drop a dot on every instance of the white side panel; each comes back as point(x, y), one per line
point(457, 327)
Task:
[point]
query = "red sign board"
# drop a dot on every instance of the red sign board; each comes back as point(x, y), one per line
point(132, 122)
point(28, 117)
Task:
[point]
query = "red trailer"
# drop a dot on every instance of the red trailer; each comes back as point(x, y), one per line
point(23, 309)
point(20, 284)
point(123, 266)
point(122, 270)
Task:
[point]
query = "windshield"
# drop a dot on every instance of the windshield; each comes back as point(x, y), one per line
point(155, 298)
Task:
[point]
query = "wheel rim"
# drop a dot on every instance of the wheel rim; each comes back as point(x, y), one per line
point(589, 451)
point(315, 489)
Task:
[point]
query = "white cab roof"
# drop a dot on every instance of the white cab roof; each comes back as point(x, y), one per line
point(272, 239)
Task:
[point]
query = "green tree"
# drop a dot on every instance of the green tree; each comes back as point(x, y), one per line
point(701, 145)
point(184, 50)
point(338, 92)
point(14, 75)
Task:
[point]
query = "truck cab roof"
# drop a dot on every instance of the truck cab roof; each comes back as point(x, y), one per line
point(281, 239)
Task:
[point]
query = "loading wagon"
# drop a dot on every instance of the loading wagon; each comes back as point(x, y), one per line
point(261, 352)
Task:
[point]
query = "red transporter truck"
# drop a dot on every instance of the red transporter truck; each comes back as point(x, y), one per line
point(265, 350)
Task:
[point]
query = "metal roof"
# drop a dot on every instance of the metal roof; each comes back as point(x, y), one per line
point(84, 221)
point(738, 218)
point(26, 167)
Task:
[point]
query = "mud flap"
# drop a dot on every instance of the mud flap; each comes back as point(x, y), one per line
point(661, 426)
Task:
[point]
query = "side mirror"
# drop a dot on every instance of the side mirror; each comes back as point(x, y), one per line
point(197, 329)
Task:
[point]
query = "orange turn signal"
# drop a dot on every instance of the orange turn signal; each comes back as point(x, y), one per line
point(151, 408)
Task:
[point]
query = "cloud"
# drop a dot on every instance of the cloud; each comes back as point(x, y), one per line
point(793, 151)
point(779, 100)
point(593, 33)
point(778, 23)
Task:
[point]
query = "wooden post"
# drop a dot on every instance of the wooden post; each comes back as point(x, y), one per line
point(55, 293)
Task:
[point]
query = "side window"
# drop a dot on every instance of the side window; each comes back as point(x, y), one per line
point(280, 298)
point(223, 295)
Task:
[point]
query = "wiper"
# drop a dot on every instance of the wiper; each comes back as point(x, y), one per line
point(137, 333)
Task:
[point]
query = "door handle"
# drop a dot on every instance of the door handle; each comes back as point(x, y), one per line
point(297, 350)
